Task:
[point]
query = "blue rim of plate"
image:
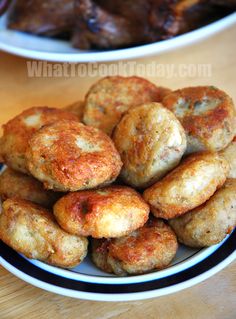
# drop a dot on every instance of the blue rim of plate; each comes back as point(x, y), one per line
point(25, 270)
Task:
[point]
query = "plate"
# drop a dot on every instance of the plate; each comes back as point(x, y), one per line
point(189, 267)
point(154, 285)
point(41, 48)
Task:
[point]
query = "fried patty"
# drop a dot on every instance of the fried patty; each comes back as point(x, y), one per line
point(110, 212)
point(209, 224)
point(189, 185)
point(69, 156)
point(77, 109)
point(151, 247)
point(32, 231)
point(207, 115)
point(109, 98)
point(151, 142)
point(14, 184)
point(229, 153)
point(18, 131)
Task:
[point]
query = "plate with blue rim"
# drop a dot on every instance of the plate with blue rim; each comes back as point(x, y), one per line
point(85, 281)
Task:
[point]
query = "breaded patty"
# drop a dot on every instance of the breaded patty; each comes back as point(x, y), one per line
point(207, 115)
point(151, 142)
point(14, 184)
point(110, 212)
point(77, 109)
point(69, 156)
point(189, 185)
point(109, 98)
point(229, 153)
point(209, 224)
point(151, 247)
point(99, 253)
point(32, 231)
point(18, 131)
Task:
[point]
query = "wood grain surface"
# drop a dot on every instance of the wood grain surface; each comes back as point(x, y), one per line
point(212, 299)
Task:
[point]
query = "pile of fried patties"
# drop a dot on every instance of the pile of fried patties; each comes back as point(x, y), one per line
point(130, 171)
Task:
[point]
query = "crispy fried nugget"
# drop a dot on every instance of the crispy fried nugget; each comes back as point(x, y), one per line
point(31, 230)
point(229, 153)
point(99, 253)
point(209, 224)
point(151, 247)
point(18, 131)
point(151, 142)
point(188, 186)
point(77, 109)
point(14, 184)
point(110, 212)
point(111, 97)
point(69, 156)
point(207, 115)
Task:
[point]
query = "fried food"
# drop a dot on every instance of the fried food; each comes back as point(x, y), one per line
point(109, 25)
point(191, 184)
point(44, 17)
point(210, 223)
point(151, 247)
point(151, 142)
point(97, 27)
point(69, 156)
point(99, 254)
point(110, 212)
point(229, 153)
point(207, 115)
point(76, 108)
point(4, 4)
point(18, 131)
point(32, 231)
point(108, 99)
point(18, 185)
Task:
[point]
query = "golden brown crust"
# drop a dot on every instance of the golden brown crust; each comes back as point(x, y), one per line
point(109, 212)
point(207, 115)
point(109, 98)
point(31, 230)
point(210, 223)
point(229, 153)
point(18, 131)
point(69, 156)
point(99, 253)
point(151, 247)
point(77, 108)
point(188, 186)
point(14, 184)
point(151, 142)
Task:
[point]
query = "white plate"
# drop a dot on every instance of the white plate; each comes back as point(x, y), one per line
point(41, 48)
point(86, 281)
point(189, 272)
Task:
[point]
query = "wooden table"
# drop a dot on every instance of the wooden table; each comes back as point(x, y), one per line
point(212, 299)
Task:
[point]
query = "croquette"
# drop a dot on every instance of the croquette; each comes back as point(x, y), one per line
point(18, 131)
point(207, 115)
point(69, 156)
point(191, 184)
point(77, 109)
point(229, 153)
point(14, 184)
point(151, 247)
point(109, 98)
point(32, 231)
point(151, 142)
point(109, 212)
point(210, 223)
